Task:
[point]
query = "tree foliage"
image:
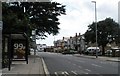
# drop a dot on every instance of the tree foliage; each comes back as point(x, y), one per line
point(107, 32)
point(26, 16)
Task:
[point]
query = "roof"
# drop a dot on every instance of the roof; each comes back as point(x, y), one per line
point(19, 36)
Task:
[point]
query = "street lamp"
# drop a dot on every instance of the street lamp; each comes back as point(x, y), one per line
point(96, 27)
point(34, 39)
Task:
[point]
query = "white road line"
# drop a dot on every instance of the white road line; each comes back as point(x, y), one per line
point(74, 64)
point(83, 72)
point(96, 65)
point(45, 68)
point(88, 70)
point(62, 72)
point(74, 72)
point(56, 74)
point(86, 73)
point(79, 66)
point(66, 72)
point(0, 72)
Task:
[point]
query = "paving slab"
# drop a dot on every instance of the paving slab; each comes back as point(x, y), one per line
point(33, 68)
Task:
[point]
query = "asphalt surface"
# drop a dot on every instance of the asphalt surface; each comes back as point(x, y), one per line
point(59, 64)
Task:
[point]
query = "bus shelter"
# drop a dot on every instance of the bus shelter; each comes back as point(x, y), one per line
point(15, 48)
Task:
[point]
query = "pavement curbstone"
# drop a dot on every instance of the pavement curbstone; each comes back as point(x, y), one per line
point(103, 58)
point(45, 68)
point(114, 60)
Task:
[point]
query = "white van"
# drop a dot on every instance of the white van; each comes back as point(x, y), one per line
point(92, 50)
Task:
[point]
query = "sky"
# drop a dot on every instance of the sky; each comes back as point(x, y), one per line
point(79, 14)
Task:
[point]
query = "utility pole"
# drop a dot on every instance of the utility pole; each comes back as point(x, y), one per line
point(96, 27)
point(119, 24)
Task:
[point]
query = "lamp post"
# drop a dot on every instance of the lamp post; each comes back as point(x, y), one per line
point(34, 40)
point(96, 27)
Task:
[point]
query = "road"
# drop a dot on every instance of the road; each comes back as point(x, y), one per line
point(71, 65)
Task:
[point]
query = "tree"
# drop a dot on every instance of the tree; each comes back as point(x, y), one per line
point(27, 16)
point(14, 20)
point(107, 32)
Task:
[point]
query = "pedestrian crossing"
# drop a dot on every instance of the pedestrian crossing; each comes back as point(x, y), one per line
point(0, 72)
point(75, 73)
point(70, 73)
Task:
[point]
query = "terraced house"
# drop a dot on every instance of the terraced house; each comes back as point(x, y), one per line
point(70, 44)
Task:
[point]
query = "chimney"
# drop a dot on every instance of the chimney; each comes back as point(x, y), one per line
point(79, 34)
point(76, 35)
point(63, 38)
point(70, 37)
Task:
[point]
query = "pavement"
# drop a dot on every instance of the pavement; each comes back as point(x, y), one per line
point(114, 59)
point(33, 68)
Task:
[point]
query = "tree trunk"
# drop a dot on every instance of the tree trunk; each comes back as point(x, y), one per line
point(103, 50)
point(113, 53)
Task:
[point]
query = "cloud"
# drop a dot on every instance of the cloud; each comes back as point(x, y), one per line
point(80, 13)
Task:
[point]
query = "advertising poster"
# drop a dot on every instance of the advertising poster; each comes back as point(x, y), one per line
point(19, 50)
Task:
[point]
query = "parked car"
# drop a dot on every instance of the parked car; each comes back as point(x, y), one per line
point(108, 52)
point(113, 52)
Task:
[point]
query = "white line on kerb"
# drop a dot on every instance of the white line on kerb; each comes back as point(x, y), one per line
point(45, 68)
point(96, 65)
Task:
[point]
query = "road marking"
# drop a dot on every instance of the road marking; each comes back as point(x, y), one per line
point(79, 66)
point(74, 72)
point(88, 70)
point(74, 64)
point(56, 74)
point(0, 72)
point(45, 68)
point(96, 65)
point(62, 72)
point(66, 72)
point(85, 73)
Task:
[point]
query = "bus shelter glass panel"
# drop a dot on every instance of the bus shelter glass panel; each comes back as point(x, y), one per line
point(19, 49)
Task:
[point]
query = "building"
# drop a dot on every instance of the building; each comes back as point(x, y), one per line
point(58, 45)
point(70, 44)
